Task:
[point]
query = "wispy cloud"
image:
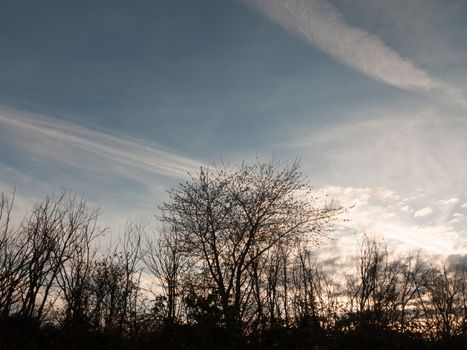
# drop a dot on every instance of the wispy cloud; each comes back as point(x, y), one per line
point(126, 151)
point(400, 148)
point(125, 176)
point(323, 26)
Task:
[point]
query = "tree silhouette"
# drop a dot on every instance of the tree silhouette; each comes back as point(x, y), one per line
point(228, 219)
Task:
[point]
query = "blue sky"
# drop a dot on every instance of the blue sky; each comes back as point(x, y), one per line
point(118, 100)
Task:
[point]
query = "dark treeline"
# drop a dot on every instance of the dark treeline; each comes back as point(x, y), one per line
point(234, 265)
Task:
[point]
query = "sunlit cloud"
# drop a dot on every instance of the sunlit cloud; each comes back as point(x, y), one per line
point(449, 201)
point(403, 149)
point(423, 212)
point(386, 214)
point(457, 218)
point(402, 172)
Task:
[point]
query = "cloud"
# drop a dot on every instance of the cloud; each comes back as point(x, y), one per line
point(457, 218)
point(381, 212)
point(397, 147)
point(324, 27)
point(423, 212)
point(449, 201)
point(126, 177)
point(46, 133)
point(429, 30)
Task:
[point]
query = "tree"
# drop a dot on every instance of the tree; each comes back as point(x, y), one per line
point(42, 246)
point(12, 258)
point(442, 298)
point(382, 293)
point(73, 277)
point(114, 285)
point(165, 261)
point(227, 219)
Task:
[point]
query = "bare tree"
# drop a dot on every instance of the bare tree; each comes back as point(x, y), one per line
point(114, 285)
point(382, 294)
point(164, 259)
point(12, 258)
point(307, 291)
point(227, 219)
point(74, 276)
point(373, 291)
point(132, 255)
point(49, 238)
point(442, 298)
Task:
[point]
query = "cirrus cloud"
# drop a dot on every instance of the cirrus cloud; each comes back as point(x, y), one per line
point(324, 27)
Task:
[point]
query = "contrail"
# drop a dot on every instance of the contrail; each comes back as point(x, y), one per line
point(323, 26)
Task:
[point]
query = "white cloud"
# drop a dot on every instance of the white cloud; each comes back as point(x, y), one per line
point(449, 201)
point(400, 148)
point(405, 208)
point(124, 176)
point(47, 133)
point(457, 218)
point(384, 217)
point(323, 26)
point(427, 29)
point(423, 212)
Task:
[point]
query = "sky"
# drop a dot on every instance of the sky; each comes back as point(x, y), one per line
point(119, 100)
